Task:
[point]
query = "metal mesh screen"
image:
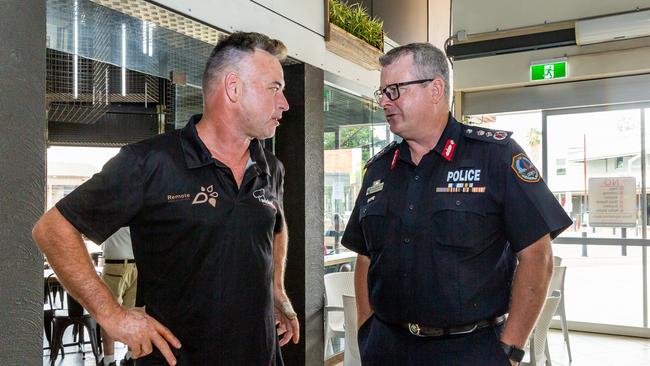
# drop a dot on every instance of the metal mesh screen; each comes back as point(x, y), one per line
point(185, 102)
point(90, 43)
point(98, 85)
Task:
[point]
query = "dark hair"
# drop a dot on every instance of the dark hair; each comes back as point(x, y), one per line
point(428, 61)
point(231, 49)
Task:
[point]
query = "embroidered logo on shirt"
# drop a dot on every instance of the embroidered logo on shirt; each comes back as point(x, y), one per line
point(178, 197)
point(524, 168)
point(448, 150)
point(260, 195)
point(464, 175)
point(462, 181)
point(206, 195)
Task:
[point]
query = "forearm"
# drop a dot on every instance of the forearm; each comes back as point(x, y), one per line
point(529, 291)
point(364, 311)
point(68, 256)
point(280, 243)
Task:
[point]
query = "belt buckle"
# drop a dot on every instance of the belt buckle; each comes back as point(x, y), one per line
point(414, 328)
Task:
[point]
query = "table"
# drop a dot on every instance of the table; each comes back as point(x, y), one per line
point(340, 258)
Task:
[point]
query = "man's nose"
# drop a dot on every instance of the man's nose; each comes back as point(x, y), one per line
point(283, 104)
point(383, 100)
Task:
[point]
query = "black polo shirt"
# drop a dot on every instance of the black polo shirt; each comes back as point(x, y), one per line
point(203, 247)
point(442, 236)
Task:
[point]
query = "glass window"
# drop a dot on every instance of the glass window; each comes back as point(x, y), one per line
point(526, 129)
point(355, 130)
point(70, 166)
point(595, 172)
point(584, 150)
point(560, 167)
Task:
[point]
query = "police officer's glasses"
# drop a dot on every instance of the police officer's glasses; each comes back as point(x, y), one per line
point(392, 91)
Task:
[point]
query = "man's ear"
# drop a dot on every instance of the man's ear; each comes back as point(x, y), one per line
point(232, 84)
point(437, 90)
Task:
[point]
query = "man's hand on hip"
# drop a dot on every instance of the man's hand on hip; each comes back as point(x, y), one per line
point(141, 333)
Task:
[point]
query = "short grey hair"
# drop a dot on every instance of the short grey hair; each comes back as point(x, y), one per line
point(231, 50)
point(428, 61)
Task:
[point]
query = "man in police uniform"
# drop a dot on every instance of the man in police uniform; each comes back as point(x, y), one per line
point(442, 221)
point(204, 205)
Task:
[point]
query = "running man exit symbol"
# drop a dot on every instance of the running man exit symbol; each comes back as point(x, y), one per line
point(549, 69)
point(549, 72)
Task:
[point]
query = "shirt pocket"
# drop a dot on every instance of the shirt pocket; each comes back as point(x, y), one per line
point(372, 218)
point(459, 223)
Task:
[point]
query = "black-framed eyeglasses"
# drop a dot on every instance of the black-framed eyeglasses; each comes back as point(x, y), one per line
point(392, 91)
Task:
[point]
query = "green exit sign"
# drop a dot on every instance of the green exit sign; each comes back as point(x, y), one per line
point(548, 70)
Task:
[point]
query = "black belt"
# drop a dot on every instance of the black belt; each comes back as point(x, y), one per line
point(425, 331)
point(116, 261)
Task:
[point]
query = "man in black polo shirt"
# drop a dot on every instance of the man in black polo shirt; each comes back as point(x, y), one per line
point(442, 221)
point(204, 205)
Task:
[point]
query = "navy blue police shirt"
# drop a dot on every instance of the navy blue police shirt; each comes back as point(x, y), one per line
point(442, 236)
point(203, 246)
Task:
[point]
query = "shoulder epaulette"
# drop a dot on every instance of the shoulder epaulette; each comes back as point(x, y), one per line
point(381, 153)
point(486, 134)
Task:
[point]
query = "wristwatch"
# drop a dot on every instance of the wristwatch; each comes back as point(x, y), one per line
point(514, 353)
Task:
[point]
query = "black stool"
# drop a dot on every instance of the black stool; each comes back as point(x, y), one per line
point(73, 316)
point(50, 289)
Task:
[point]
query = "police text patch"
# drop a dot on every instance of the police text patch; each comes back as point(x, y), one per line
point(464, 175)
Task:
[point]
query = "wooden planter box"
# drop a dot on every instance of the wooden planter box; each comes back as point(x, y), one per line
point(352, 48)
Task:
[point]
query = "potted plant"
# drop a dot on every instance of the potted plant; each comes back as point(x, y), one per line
point(351, 33)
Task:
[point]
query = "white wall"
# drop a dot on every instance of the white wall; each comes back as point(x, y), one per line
point(299, 24)
point(477, 16)
point(511, 71)
point(439, 19)
point(585, 62)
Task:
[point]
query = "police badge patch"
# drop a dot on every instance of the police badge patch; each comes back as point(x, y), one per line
point(524, 168)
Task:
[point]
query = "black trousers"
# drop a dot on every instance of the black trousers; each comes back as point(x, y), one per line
point(204, 358)
point(384, 344)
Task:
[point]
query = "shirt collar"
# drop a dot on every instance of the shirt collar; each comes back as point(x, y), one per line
point(197, 154)
point(258, 157)
point(404, 153)
point(451, 132)
point(449, 139)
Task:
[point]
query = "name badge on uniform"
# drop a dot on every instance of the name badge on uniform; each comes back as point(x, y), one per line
point(377, 186)
point(463, 181)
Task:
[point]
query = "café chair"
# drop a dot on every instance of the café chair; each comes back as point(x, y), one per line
point(50, 289)
point(337, 284)
point(351, 355)
point(557, 284)
point(537, 344)
point(74, 315)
